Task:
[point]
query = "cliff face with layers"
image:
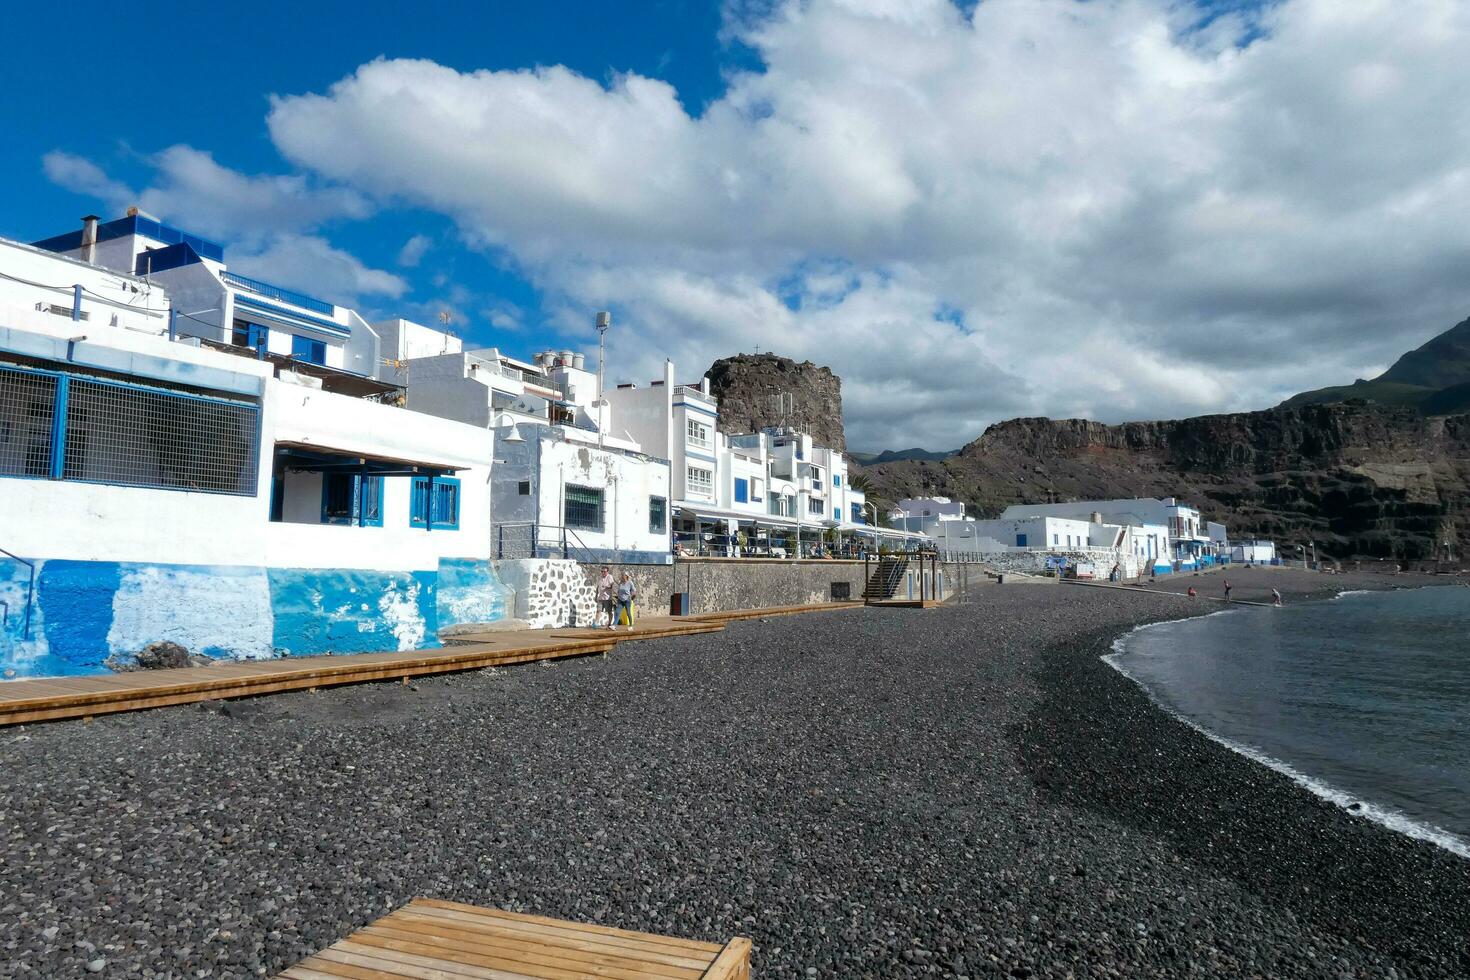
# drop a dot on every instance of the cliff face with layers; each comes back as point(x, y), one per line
point(1359, 479)
point(750, 389)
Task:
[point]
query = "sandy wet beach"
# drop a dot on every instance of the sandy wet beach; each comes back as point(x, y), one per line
point(967, 791)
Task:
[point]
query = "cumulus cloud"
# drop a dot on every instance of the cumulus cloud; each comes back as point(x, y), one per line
point(412, 252)
point(1117, 208)
point(268, 223)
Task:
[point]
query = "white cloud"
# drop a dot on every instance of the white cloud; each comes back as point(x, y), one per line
point(412, 252)
point(82, 176)
point(1041, 206)
point(267, 222)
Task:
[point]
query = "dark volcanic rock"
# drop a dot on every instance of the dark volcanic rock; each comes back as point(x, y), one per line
point(749, 388)
point(1359, 479)
point(160, 655)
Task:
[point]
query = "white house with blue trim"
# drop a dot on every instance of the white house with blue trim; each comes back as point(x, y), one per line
point(1188, 540)
point(232, 504)
point(223, 309)
point(565, 483)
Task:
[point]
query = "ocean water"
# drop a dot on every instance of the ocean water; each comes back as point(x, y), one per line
point(1364, 699)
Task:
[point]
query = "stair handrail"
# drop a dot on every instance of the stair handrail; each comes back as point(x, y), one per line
point(30, 592)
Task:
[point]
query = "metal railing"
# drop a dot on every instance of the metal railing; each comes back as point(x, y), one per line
point(278, 293)
point(25, 632)
point(530, 540)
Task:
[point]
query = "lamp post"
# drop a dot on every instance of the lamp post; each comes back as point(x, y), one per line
point(604, 321)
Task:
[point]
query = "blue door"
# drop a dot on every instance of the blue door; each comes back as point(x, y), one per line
point(1020, 541)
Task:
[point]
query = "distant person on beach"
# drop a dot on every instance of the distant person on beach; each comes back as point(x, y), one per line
point(627, 592)
point(606, 589)
point(1275, 598)
point(1191, 593)
point(1227, 590)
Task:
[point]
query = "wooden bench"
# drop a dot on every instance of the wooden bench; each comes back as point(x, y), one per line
point(432, 940)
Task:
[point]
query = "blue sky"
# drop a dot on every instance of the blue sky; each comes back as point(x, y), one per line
point(207, 85)
point(1112, 209)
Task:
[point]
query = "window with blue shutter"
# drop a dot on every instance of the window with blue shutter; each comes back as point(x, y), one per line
point(742, 491)
point(434, 503)
point(352, 499)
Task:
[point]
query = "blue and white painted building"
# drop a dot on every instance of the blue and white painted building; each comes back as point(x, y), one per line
point(1189, 543)
point(237, 505)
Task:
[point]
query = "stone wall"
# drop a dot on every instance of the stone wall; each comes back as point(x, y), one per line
point(717, 585)
point(550, 591)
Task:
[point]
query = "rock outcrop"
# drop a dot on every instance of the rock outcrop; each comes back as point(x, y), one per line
point(759, 390)
point(1359, 479)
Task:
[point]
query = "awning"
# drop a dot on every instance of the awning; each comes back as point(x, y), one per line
point(312, 458)
point(333, 379)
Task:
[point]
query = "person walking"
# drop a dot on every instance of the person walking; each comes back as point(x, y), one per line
point(606, 601)
point(627, 592)
point(1275, 598)
point(1227, 590)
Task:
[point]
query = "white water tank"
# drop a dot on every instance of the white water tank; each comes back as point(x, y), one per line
point(579, 361)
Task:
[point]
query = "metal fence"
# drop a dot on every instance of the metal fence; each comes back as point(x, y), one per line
point(527, 540)
point(27, 418)
point(68, 426)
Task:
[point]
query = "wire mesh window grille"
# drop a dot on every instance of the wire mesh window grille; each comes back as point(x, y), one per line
point(27, 410)
point(583, 507)
point(141, 437)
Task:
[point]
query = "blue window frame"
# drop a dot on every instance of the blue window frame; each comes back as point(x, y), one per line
point(308, 350)
point(434, 503)
point(836, 480)
point(857, 513)
point(836, 513)
point(1020, 541)
point(253, 335)
point(742, 490)
point(351, 499)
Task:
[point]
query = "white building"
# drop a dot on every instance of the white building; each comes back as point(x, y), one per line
point(561, 487)
point(925, 513)
point(753, 494)
point(1189, 539)
point(1255, 551)
point(223, 502)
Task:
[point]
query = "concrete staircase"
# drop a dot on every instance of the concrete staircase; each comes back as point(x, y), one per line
point(883, 583)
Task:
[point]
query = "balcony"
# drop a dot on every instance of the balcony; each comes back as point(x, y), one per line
point(278, 294)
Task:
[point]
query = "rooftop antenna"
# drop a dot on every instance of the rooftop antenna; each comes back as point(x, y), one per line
point(445, 317)
point(604, 322)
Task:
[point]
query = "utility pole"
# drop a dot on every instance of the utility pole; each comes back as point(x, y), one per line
point(604, 321)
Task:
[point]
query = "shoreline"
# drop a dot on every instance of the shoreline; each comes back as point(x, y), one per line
point(1383, 815)
point(1237, 815)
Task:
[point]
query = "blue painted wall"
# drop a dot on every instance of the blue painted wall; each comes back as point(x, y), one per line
point(86, 612)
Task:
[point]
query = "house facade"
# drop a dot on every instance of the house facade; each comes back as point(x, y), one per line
point(233, 504)
point(1189, 543)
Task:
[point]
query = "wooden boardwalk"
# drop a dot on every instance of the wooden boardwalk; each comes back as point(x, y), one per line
point(432, 940)
point(52, 699)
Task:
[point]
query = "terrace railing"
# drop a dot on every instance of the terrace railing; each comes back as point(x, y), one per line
point(529, 540)
point(277, 293)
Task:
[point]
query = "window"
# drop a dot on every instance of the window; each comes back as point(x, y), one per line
point(837, 479)
point(434, 503)
point(757, 489)
point(64, 426)
point(308, 350)
point(351, 499)
point(742, 491)
point(697, 434)
point(837, 513)
point(658, 515)
point(1056, 539)
point(857, 513)
point(524, 488)
point(1020, 541)
point(815, 505)
point(699, 480)
point(583, 507)
point(252, 335)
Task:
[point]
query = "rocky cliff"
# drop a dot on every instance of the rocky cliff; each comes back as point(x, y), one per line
point(757, 390)
point(1359, 479)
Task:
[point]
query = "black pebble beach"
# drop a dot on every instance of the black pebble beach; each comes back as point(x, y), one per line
point(964, 791)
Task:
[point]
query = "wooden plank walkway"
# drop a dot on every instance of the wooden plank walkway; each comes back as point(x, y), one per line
point(56, 698)
point(432, 940)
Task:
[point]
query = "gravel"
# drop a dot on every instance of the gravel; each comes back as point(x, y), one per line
point(965, 791)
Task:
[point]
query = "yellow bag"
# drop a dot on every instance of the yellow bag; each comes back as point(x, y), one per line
point(626, 615)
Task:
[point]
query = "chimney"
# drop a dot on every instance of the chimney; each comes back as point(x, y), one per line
point(89, 239)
